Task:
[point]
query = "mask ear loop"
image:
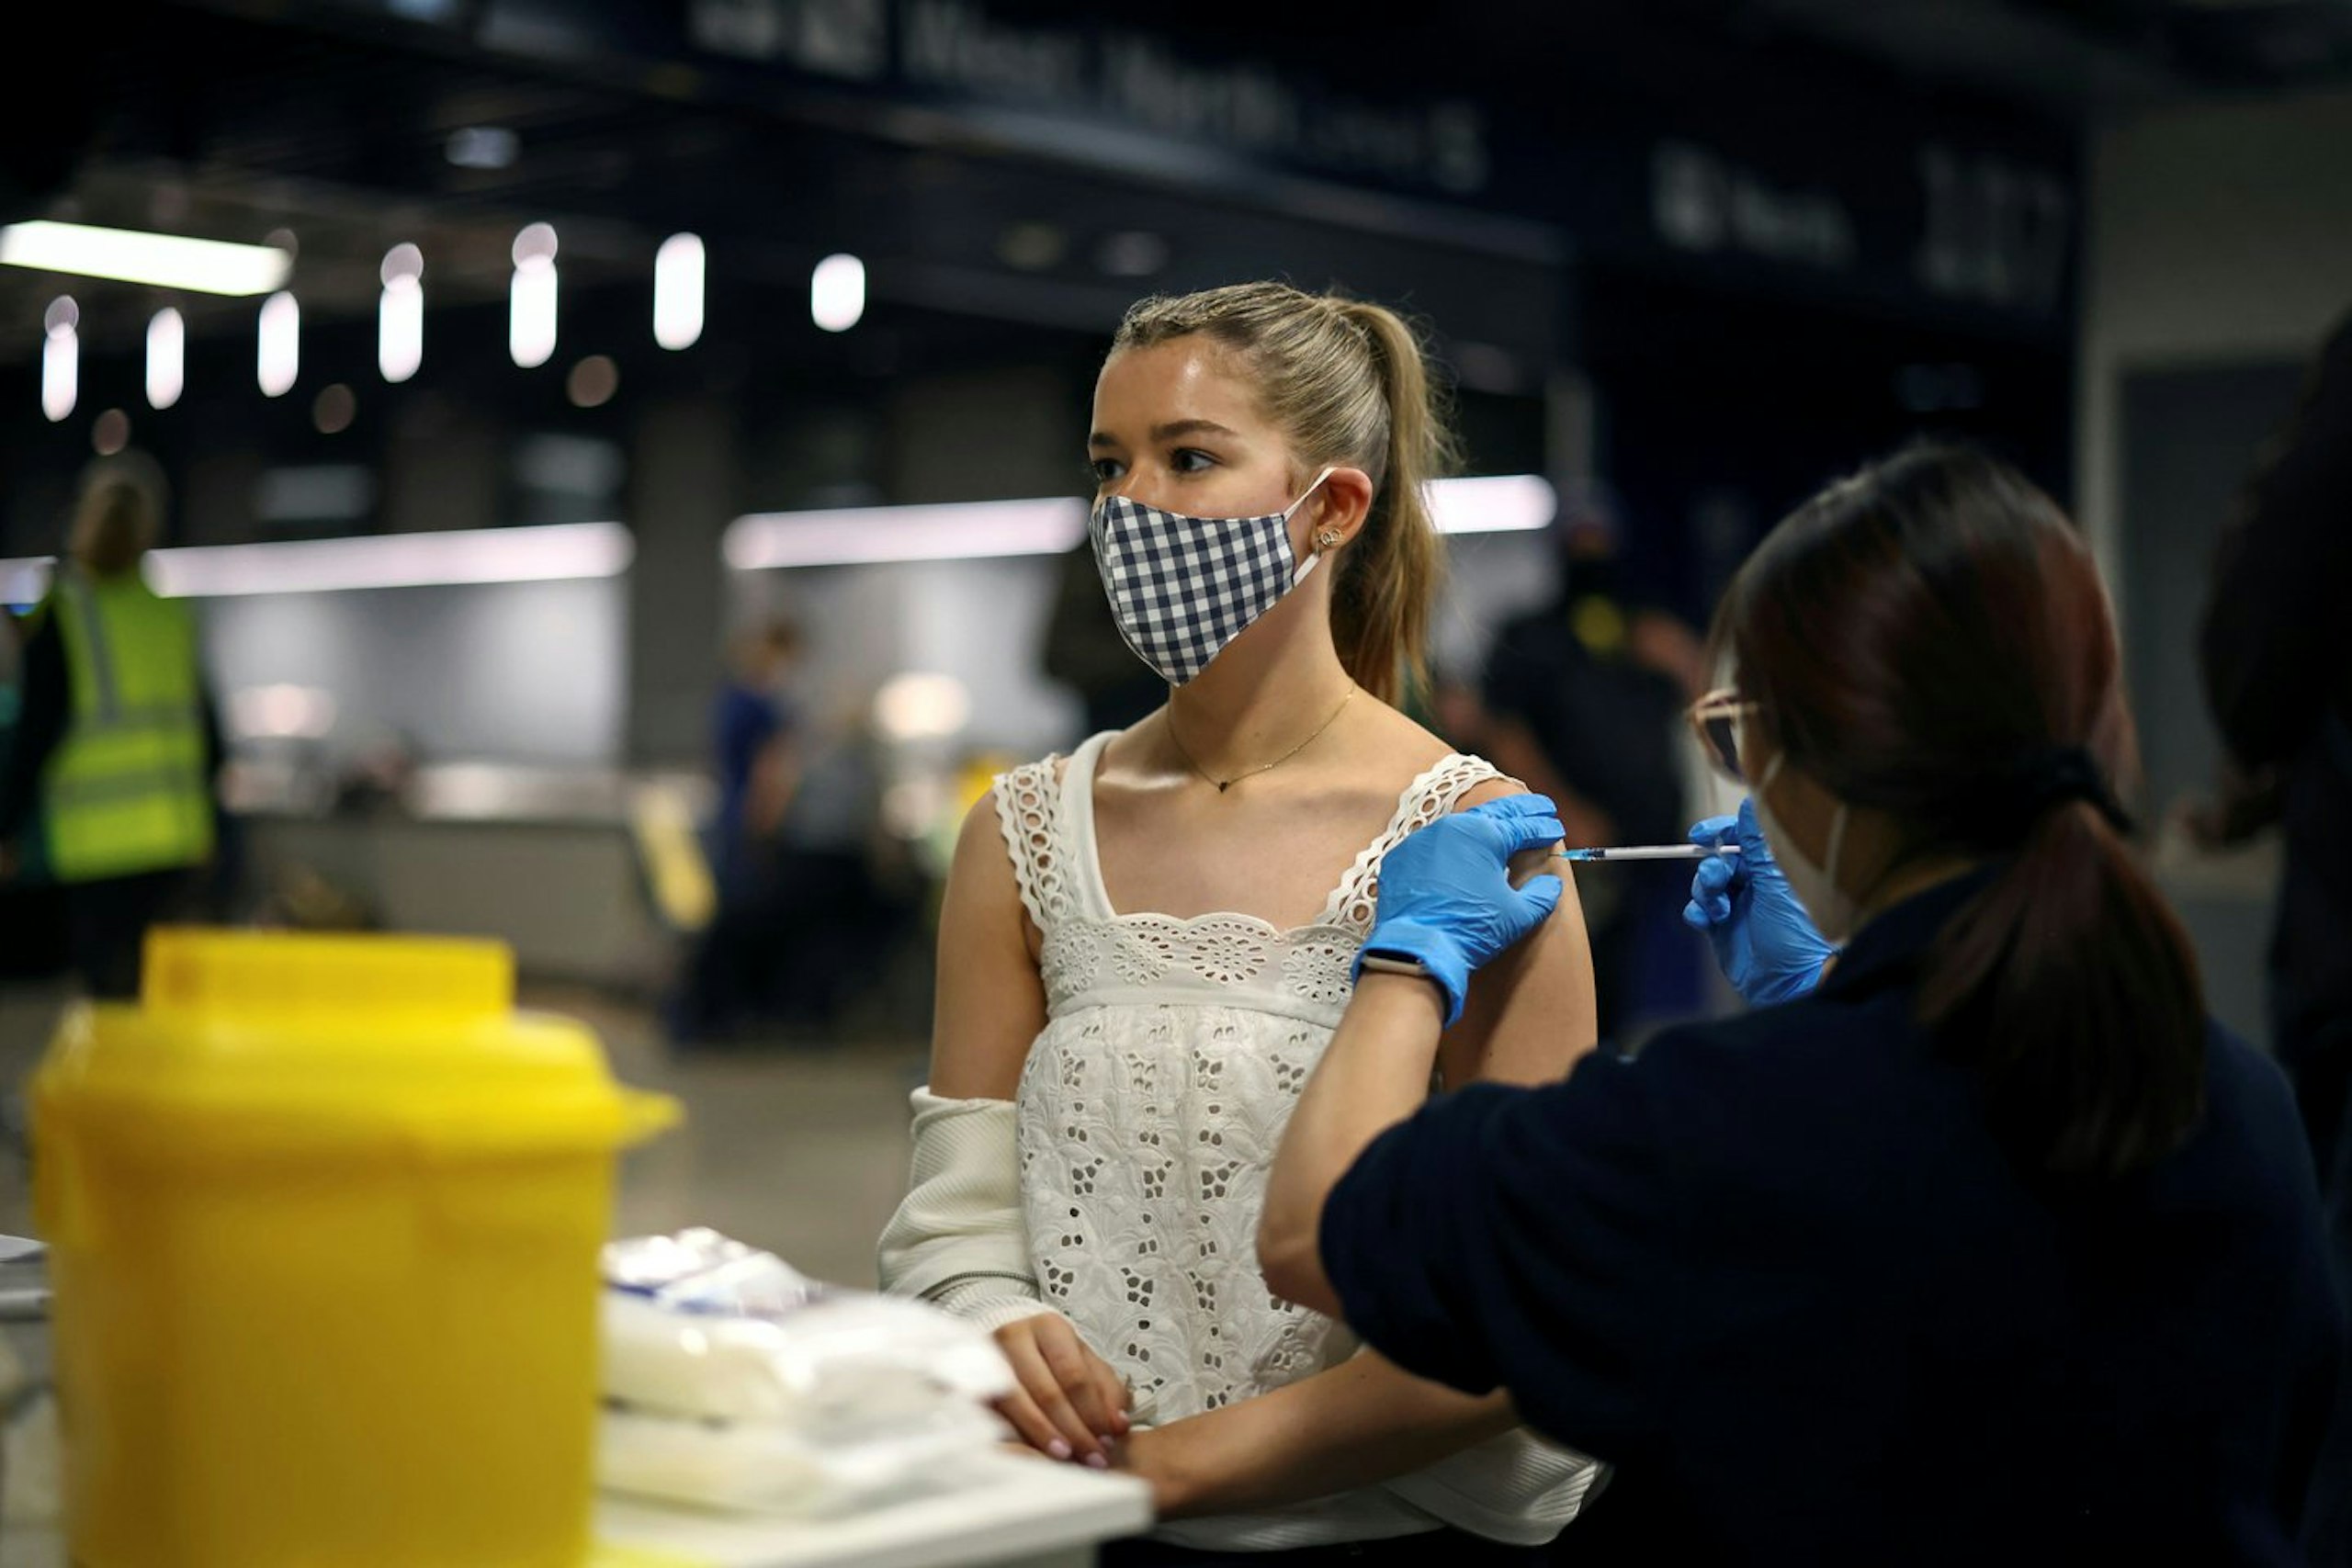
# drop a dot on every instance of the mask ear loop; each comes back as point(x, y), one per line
point(1315, 559)
point(1837, 822)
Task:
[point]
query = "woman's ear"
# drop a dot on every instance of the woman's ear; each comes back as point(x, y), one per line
point(1340, 506)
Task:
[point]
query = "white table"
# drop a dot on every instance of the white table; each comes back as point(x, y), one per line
point(1006, 1510)
point(1002, 1509)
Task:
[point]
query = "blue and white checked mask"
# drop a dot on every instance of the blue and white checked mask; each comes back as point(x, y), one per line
point(1182, 587)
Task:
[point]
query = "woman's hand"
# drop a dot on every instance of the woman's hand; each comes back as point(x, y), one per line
point(1071, 1405)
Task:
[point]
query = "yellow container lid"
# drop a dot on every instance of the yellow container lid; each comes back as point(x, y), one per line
point(264, 1042)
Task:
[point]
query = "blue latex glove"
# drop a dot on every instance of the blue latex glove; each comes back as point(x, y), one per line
point(1445, 892)
point(1764, 941)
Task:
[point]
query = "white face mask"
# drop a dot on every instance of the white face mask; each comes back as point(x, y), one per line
point(1833, 912)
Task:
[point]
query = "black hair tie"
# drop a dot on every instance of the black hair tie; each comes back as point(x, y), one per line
point(2060, 776)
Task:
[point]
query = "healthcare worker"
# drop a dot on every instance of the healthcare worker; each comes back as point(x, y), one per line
point(1985, 1246)
point(118, 744)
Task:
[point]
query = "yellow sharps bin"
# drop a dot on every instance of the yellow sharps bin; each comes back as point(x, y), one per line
point(324, 1214)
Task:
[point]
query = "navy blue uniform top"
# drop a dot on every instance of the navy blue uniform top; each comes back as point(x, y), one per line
point(1777, 1270)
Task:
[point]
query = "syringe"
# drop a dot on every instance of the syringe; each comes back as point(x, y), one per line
point(1650, 852)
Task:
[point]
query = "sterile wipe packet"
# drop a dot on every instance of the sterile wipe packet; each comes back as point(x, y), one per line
point(731, 1379)
point(756, 1467)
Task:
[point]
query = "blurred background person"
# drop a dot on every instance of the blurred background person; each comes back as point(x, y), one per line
point(117, 745)
point(754, 723)
point(844, 889)
point(755, 728)
point(1583, 701)
point(2279, 675)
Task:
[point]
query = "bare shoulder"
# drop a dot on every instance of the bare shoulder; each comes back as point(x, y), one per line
point(1491, 789)
point(980, 850)
point(1416, 750)
point(1013, 802)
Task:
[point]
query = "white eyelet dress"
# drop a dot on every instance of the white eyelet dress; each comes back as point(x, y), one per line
point(1148, 1113)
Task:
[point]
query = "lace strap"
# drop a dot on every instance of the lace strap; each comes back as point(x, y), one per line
point(1426, 800)
point(1028, 801)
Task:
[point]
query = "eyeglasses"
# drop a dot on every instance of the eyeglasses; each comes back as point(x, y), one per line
point(1715, 720)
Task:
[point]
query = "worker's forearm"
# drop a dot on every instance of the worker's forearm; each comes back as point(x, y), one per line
point(1375, 1074)
point(1362, 1422)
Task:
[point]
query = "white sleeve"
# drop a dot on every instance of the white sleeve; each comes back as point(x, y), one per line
point(1516, 1488)
point(958, 1240)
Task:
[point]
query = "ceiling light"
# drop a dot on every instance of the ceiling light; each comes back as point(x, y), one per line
point(278, 354)
point(400, 314)
point(856, 536)
point(400, 329)
point(61, 358)
point(559, 551)
point(128, 255)
point(837, 293)
point(1492, 504)
point(677, 291)
point(530, 321)
point(166, 357)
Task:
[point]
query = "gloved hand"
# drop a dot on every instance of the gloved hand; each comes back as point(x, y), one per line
point(1445, 892)
point(1764, 941)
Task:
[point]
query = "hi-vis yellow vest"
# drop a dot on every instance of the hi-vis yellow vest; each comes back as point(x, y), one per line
point(126, 791)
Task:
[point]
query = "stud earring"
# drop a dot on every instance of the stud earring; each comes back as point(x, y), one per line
point(1327, 539)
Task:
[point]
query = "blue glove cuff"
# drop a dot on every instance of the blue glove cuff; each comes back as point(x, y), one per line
point(1431, 949)
point(1774, 989)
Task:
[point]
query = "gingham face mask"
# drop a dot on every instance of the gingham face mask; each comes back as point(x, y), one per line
point(1182, 587)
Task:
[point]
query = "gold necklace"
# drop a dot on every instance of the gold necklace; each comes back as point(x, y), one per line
point(1224, 785)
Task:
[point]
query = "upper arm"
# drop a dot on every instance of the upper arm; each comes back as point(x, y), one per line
point(1531, 1013)
point(1524, 1239)
point(991, 1000)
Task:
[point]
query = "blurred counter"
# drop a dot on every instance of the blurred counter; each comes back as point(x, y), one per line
point(554, 862)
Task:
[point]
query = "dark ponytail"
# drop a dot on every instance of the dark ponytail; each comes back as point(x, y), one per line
point(2071, 988)
point(1930, 639)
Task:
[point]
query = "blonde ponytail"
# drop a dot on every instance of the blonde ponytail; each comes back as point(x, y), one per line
point(1380, 616)
point(1347, 381)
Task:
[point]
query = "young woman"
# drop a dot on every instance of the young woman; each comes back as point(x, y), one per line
point(1145, 946)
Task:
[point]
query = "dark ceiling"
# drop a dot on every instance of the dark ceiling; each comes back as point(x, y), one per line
point(2085, 56)
point(237, 120)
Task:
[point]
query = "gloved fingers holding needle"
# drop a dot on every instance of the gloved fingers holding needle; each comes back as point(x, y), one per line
point(1767, 945)
point(1448, 903)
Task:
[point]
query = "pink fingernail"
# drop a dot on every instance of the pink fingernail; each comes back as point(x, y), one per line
point(1058, 1449)
point(1096, 1461)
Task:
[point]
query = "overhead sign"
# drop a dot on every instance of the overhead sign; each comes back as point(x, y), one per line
point(1802, 176)
point(1988, 230)
point(957, 49)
